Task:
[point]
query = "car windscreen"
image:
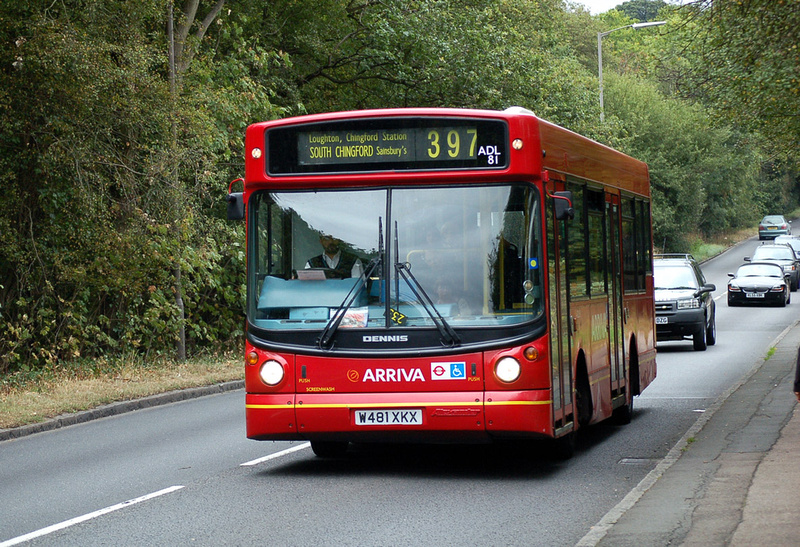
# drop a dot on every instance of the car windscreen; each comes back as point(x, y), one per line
point(759, 270)
point(674, 277)
point(773, 253)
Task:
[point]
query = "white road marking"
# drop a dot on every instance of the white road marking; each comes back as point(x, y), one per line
point(272, 456)
point(84, 518)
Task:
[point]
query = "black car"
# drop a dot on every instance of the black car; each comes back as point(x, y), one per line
point(783, 255)
point(759, 283)
point(684, 306)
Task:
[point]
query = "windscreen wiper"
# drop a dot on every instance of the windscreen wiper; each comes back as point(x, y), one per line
point(449, 336)
point(326, 338)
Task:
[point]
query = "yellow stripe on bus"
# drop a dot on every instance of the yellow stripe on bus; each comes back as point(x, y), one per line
point(401, 405)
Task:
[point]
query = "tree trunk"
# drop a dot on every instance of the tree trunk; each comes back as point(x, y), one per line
point(176, 209)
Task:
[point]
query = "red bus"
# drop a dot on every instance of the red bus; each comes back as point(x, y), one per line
point(441, 275)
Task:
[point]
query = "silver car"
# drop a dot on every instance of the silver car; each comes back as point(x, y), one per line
point(772, 226)
point(791, 241)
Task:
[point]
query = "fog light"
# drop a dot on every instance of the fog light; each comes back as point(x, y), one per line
point(271, 373)
point(507, 369)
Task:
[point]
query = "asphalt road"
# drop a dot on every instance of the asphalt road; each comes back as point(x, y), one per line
point(185, 473)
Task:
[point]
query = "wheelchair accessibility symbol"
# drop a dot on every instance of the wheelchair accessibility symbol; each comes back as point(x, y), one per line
point(449, 371)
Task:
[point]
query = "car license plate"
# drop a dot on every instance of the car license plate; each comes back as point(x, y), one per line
point(403, 416)
point(754, 295)
point(662, 320)
point(772, 227)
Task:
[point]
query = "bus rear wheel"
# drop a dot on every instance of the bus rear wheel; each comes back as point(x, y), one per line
point(624, 414)
point(329, 449)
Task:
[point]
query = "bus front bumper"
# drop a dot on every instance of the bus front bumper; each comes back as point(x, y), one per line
point(396, 417)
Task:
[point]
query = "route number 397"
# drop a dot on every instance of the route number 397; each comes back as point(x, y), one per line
point(451, 144)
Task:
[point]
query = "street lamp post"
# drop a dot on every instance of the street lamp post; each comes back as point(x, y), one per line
point(600, 36)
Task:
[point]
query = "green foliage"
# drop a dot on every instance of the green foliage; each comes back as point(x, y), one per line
point(480, 54)
point(91, 230)
point(641, 10)
point(743, 60)
point(704, 179)
point(112, 181)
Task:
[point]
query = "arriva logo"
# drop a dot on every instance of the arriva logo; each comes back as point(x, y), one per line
point(393, 375)
point(386, 338)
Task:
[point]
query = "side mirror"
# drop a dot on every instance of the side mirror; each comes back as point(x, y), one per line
point(562, 202)
point(709, 287)
point(235, 205)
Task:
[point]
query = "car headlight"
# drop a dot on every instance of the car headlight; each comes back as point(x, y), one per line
point(688, 304)
point(507, 369)
point(271, 372)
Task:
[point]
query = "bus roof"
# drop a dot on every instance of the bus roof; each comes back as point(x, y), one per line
point(560, 151)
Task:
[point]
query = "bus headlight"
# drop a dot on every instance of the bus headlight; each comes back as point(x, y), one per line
point(507, 369)
point(271, 373)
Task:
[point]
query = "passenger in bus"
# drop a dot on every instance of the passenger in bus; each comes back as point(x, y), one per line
point(451, 235)
point(447, 294)
point(338, 264)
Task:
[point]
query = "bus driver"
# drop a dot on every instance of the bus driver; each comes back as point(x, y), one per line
point(338, 264)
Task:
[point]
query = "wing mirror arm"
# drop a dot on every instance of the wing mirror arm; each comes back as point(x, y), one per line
point(235, 202)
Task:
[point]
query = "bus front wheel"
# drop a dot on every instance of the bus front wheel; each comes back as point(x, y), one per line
point(564, 447)
point(329, 449)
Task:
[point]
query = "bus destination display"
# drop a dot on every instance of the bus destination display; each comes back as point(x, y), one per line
point(390, 144)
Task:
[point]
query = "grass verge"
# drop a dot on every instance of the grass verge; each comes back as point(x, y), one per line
point(86, 385)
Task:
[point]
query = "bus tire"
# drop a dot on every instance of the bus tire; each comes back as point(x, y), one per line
point(583, 397)
point(624, 414)
point(564, 446)
point(329, 449)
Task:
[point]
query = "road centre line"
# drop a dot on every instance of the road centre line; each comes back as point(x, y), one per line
point(272, 456)
point(84, 518)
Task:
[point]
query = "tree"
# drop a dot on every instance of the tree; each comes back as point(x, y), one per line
point(91, 227)
point(181, 52)
point(641, 10)
point(705, 179)
point(479, 53)
point(743, 59)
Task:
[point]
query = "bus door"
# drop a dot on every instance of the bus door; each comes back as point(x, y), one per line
point(615, 319)
point(560, 328)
